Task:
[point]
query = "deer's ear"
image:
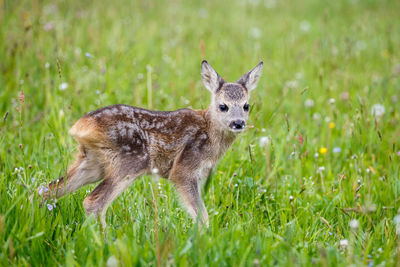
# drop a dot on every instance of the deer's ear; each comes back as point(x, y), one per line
point(211, 80)
point(250, 79)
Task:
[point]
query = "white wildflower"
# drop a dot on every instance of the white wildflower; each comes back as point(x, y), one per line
point(378, 110)
point(264, 141)
point(255, 32)
point(354, 225)
point(331, 101)
point(77, 51)
point(316, 116)
point(370, 208)
point(396, 220)
point(203, 13)
point(309, 103)
point(305, 26)
point(294, 84)
point(112, 262)
point(63, 86)
point(299, 75)
point(293, 155)
point(140, 76)
point(344, 243)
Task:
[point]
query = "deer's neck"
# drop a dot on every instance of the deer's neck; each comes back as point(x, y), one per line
point(221, 138)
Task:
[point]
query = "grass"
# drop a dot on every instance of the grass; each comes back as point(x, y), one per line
point(275, 202)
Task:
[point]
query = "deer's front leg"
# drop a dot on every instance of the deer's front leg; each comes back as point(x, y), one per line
point(188, 187)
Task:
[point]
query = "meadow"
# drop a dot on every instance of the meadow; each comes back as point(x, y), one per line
point(314, 180)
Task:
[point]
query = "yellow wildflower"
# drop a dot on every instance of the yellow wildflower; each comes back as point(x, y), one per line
point(332, 125)
point(323, 150)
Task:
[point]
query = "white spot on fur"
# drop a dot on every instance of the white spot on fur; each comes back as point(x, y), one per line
point(126, 148)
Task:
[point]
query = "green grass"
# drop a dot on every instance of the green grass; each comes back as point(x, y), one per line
point(318, 50)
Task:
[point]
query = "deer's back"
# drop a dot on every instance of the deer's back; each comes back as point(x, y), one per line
point(139, 133)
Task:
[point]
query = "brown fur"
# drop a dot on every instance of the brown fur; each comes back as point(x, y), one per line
point(120, 143)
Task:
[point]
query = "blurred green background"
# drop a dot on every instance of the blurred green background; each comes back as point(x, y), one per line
point(324, 150)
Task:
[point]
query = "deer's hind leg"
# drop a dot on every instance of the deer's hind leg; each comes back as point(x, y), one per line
point(86, 169)
point(120, 173)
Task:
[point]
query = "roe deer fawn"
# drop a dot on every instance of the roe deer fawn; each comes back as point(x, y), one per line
point(119, 143)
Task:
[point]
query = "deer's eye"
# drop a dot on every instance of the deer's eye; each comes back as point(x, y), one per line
point(223, 108)
point(246, 107)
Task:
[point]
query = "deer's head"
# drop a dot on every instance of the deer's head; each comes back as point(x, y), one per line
point(230, 101)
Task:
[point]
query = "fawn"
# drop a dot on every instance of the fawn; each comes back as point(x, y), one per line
point(119, 143)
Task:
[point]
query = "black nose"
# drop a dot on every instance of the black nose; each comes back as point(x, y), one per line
point(237, 125)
